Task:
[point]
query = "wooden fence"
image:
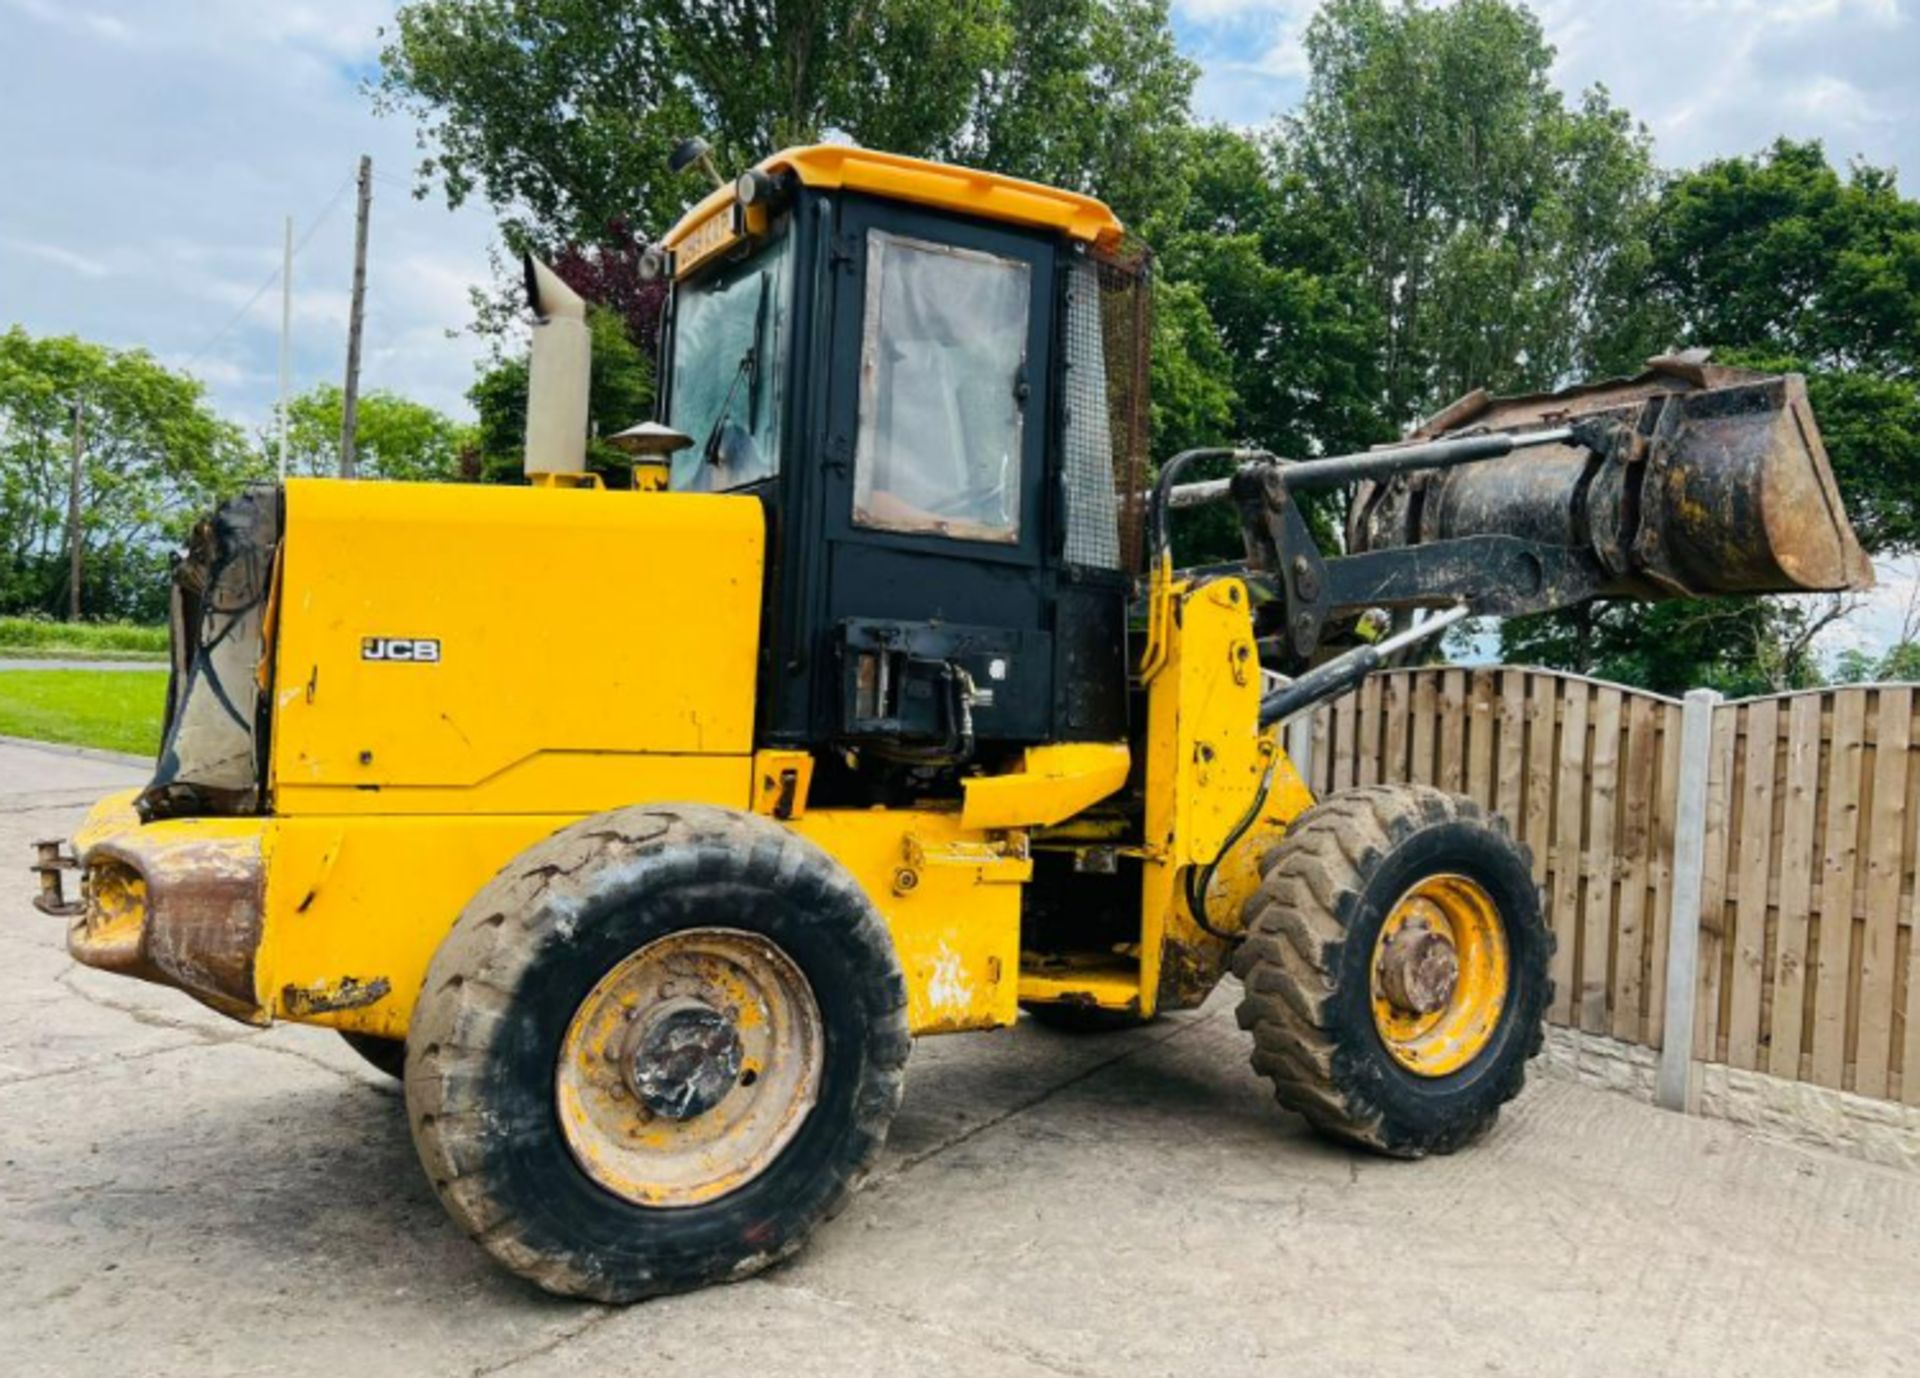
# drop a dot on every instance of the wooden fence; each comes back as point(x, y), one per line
point(1803, 948)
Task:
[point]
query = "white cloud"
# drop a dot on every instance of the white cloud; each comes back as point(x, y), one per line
point(61, 257)
point(1712, 78)
point(1835, 100)
point(168, 143)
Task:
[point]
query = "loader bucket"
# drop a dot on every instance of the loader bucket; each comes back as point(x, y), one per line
point(1690, 479)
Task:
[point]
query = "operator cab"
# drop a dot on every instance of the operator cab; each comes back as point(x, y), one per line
point(934, 379)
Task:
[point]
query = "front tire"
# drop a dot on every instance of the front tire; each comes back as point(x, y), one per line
point(657, 1051)
point(1395, 969)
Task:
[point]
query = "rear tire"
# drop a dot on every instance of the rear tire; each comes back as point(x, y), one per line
point(388, 1055)
point(1326, 1033)
point(496, 1041)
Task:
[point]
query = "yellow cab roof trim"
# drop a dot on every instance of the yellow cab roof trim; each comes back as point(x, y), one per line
point(942, 186)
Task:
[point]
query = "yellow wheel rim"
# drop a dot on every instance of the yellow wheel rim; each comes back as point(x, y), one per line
point(689, 1067)
point(1440, 975)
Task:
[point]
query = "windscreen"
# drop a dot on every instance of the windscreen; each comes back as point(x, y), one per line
point(729, 357)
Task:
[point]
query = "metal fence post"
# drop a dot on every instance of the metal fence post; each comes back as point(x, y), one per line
point(1689, 866)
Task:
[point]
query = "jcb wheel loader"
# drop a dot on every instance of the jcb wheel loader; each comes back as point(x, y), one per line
point(642, 831)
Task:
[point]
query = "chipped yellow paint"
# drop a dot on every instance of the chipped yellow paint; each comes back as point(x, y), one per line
point(1111, 985)
point(1446, 1039)
point(773, 794)
point(951, 899)
point(114, 920)
point(111, 815)
point(373, 896)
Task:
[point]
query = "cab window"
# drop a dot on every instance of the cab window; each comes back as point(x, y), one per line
point(942, 390)
point(729, 363)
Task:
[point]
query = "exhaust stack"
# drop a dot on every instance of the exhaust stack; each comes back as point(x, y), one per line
point(557, 374)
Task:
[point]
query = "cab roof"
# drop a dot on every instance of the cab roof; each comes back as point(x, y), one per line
point(942, 186)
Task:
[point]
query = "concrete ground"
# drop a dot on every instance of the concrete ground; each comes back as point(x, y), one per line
point(183, 1195)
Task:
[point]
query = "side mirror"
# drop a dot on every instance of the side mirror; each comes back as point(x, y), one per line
point(694, 151)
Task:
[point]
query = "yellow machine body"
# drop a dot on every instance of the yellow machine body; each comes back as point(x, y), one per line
point(400, 787)
point(451, 673)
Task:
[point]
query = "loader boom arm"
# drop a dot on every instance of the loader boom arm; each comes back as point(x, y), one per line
point(1689, 480)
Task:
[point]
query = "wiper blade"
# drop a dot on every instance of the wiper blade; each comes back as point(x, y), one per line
point(746, 368)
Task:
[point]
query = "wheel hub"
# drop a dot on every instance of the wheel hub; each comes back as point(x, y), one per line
point(1440, 975)
point(689, 1066)
point(685, 1061)
point(1419, 967)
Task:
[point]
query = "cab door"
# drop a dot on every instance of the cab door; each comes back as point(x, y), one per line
point(934, 516)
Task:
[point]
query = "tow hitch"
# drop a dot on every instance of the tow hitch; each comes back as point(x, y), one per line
point(50, 861)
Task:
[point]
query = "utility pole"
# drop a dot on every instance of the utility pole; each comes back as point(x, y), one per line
point(286, 338)
point(73, 518)
point(356, 317)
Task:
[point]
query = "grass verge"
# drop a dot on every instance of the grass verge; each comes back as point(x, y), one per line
point(40, 637)
point(118, 710)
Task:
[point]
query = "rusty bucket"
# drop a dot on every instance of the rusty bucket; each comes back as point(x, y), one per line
point(1690, 479)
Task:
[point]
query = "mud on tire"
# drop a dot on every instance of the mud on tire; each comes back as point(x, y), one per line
point(1307, 967)
point(486, 1037)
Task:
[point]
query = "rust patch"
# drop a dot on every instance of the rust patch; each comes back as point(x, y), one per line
point(328, 997)
point(1189, 971)
point(182, 913)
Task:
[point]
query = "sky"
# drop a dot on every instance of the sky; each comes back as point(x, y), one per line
point(150, 151)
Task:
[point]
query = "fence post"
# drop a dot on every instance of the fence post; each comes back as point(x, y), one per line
point(1689, 866)
point(1300, 745)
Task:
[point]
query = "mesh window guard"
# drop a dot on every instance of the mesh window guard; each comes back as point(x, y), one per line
point(1108, 321)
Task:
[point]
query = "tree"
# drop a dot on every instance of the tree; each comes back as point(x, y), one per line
point(1498, 230)
point(1779, 253)
point(1779, 263)
point(1191, 385)
point(1092, 95)
point(1293, 345)
point(560, 113)
point(1288, 299)
point(155, 457)
point(1899, 662)
point(1736, 645)
point(396, 438)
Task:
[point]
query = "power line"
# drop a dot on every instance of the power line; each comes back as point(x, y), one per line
point(319, 219)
